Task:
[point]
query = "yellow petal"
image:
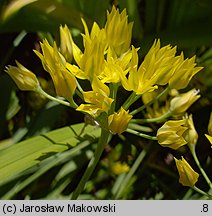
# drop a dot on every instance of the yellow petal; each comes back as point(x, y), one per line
point(118, 122)
point(54, 63)
point(188, 177)
point(66, 43)
point(182, 102)
point(171, 134)
point(24, 78)
point(209, 138)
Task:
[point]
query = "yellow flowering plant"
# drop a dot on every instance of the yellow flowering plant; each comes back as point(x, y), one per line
point(110, 64)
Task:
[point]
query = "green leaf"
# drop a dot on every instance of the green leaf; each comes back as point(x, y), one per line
point(28, 153)
point(67, 157)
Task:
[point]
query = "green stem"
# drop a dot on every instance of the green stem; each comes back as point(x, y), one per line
point(79, 86)
point(141, 134)
point(164, 92)
point(202, 192)
point(139, 127)
point(92, 164)
point(133, 169)
point(79, 94)
point(157, 119)
point(130, 100)
point(193, 152)
point(69, 104)
point(113, 94)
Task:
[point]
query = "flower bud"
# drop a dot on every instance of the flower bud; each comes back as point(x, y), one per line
point(176, 133)
point(66, 43)
point(182, 102)
point(24, 78)
point(188, 177)
point(171, 134)
point(118, 122)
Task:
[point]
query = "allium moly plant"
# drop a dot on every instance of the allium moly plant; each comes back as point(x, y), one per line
point(110, 63)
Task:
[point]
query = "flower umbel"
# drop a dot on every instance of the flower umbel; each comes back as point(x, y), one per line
point(24, 78)
point(118, 122)
point(188, 177)
point(107, 63)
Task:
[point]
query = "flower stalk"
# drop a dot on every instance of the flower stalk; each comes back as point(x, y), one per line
point(140, 134)
point(72, 104)
point(193, 152)
point(157, 119)
point(202, 192)
point(131, 99)
point(103, 140)
point(164, 92)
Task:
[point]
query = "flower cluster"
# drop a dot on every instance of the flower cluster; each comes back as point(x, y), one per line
point(108, 57)
point(108, 61)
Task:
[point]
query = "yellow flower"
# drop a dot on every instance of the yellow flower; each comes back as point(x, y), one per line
point(119, 168)
point(184, 70)
point(118, 122)
point(118, 31)
point(176, 133)
point(24, 78)
point(91, 62)
point(54, 63)
point(171, 134)
point(182, 102)
point(98, 99)
point(66, 43)
point(188, 177)
point(115, 67)
point(155, 69)
point(160, 66)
